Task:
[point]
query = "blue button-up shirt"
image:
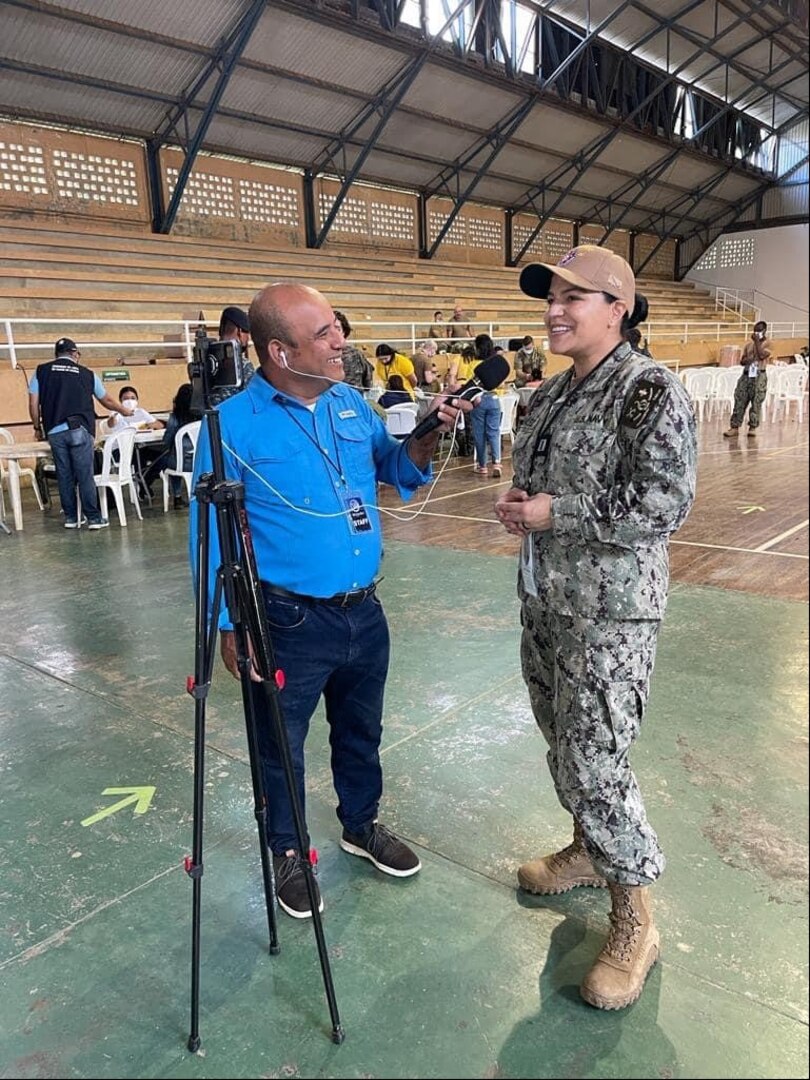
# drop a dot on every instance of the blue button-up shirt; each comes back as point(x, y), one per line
point(301, 468)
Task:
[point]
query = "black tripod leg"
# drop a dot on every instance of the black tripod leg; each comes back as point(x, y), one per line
point(259, 798)
point(238, 578)
point(198, 688)
point(250, 604)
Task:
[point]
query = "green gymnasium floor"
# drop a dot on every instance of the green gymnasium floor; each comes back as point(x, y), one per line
point(449, 974)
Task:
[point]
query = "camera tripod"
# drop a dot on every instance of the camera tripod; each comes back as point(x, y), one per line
point(237, 580)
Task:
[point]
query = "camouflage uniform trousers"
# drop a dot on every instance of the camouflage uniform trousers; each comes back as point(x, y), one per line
point(749, 392)
point(588, 682)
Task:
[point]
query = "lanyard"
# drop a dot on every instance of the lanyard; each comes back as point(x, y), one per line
point(541, 440)
point(337, 466)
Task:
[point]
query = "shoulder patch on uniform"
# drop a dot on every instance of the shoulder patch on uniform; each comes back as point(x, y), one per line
point(645, 401)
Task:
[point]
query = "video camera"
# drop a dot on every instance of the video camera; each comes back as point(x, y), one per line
point(213, 364)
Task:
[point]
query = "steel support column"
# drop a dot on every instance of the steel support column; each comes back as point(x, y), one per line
point(225, 59)
point(384, 105)
point(496, 139)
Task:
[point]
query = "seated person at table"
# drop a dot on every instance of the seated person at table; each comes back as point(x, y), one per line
point(430, 380)
point(535, 380)
point(461, 368)
point(396, 394)
point(180, 415)
point(423, 358)
point(527, 358)
point(391, 363)
point(135, 416)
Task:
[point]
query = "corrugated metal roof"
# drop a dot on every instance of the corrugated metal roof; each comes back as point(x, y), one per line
point(265, 143)
point(43, 40)
point(199, 21)
point(425, 137)
point(282, 39)
point(455, 96)
point(548, 127)
point(31, 95)
point(278, 98)
point(787, 201)
point(307, 69)
point(636, 155)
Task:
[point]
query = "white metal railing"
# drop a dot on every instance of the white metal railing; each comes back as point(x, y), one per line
point(404, 335)
point(738, 302)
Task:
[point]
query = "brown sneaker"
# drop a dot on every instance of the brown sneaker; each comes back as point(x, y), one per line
point(752, 433)
point(480, 471)
point(732, 433)
point(562, 871)
point(629, 954)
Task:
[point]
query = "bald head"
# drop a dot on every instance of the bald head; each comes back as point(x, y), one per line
point(298, 340)
point(274, 313)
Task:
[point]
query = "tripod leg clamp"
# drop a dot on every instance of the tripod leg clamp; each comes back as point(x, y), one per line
point(191, 868)
point(197, 692)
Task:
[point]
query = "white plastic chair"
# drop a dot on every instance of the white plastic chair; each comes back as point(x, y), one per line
point(509, 403)
point(725, 384)
point(401, 419)
point(700, 385)
point(192, 433)
point(7, 437)
point(786, 385)
point(116, 475)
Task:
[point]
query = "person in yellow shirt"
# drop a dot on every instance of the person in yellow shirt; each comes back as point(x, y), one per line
point(393, 363)
point(461, 371)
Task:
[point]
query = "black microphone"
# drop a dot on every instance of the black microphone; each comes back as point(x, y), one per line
point(486, 376)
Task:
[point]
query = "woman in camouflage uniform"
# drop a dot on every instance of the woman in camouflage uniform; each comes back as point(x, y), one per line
point(604, 472)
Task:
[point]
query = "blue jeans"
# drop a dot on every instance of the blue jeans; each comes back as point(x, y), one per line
point(486, 427)
point(73, 458)
point(341, 653)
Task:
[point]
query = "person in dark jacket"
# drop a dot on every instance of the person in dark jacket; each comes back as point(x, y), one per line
point(60, 403)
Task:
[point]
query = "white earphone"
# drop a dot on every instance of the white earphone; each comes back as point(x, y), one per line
point(283, 358)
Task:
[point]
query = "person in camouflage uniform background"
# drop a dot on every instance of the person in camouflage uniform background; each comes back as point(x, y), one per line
point(752, 386)
point(604, 472)
point(357, 370)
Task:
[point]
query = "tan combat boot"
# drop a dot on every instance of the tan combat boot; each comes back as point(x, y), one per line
point(561, 871)
point(628, 955)
point(732, 433)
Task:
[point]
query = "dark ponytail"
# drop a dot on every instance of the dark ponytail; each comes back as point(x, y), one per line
point(636, 316)
point(484, 346)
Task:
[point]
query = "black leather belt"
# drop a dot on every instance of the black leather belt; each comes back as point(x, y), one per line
point(344, 599)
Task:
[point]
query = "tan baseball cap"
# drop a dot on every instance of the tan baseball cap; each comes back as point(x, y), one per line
point(590, 267)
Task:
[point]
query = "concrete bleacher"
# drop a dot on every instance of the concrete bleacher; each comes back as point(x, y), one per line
point(95, 271)
point(60, 271)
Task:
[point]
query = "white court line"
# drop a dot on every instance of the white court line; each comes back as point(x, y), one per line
point(681, 543)
point(784, 450)
point(784, 535)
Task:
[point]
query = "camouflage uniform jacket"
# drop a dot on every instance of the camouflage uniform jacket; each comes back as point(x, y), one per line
point(357, 371)
point(619, 459)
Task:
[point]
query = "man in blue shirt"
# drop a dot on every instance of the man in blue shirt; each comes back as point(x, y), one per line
point(310, 452)
point(62, 391)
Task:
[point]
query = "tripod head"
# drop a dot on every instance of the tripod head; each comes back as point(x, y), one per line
point(213, 364)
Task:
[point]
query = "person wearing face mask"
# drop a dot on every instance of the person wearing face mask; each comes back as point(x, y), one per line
point(132, 416)
point(752, 386)
point(390, 363)
point(604, 471)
